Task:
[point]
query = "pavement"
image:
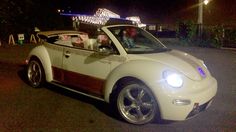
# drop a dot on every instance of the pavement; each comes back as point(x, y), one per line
point(15, 54)
point(51, 108)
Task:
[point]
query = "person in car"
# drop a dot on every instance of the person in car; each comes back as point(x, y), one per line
point(77, 42)
point(128, 37)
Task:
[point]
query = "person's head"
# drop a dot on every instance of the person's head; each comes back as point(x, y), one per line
point(103, 39)
point(77, 41)
point(131, 32)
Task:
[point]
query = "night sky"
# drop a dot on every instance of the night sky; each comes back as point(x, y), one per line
point(161, 11)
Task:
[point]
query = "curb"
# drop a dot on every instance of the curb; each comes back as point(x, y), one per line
point(224, 48)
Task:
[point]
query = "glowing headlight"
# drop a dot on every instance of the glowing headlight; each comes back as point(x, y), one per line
point(173, 79)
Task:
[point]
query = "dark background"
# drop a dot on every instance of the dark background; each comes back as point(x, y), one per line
point(22, 16)
point(169, 11)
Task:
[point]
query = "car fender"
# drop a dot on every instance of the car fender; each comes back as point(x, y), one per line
point(149, 72)
point(42, 54)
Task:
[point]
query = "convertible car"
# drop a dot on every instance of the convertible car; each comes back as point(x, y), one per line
point(126, 66)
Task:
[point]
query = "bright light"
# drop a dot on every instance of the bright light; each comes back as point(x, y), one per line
point(206, 2)
point(173, 79)
point(101, 17)
point(102, 12)
point(91, 19)
point(137, 20)
point(134, 18)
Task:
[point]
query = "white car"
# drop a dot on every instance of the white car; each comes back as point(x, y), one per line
point(126, 66)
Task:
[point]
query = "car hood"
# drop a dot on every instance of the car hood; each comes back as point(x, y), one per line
point(180, 61)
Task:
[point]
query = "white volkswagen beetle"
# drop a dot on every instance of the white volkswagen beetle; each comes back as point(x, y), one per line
point(126, 66)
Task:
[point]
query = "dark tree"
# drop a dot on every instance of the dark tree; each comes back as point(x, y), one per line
point(21, 16)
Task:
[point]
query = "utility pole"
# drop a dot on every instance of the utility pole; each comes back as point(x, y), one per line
point(200, 18)
point(201, 3)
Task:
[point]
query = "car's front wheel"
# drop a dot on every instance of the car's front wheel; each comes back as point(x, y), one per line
point(35, 73)
point(136, 103)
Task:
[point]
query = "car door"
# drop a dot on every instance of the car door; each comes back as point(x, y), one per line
point(85, 70)
point(55, 47)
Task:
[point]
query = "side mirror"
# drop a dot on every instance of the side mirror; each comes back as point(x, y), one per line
point(104, 50)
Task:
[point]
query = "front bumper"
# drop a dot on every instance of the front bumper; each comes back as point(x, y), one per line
point(197, 109)
point(190, 102)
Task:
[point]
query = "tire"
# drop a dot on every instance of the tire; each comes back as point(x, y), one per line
point(35, 73)
point(136, 104)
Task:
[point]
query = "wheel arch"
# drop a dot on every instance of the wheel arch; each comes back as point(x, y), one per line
point(126, 80)
point(132, 70)
point(122, 81)
point(42, 55)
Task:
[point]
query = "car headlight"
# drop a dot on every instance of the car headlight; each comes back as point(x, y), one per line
point(173, 79)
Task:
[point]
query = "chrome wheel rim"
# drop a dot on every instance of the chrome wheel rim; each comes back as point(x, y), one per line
point(136, 104)
point(34, 73)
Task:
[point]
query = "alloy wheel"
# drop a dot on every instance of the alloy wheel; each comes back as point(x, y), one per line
point(34, 73)
point(136, 104)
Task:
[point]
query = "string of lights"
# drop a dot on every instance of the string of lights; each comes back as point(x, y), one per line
point(101, 17)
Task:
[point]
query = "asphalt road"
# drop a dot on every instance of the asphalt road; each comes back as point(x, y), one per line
point(51, 108)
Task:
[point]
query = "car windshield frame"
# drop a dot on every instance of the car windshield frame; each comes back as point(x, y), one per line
point(145, 43)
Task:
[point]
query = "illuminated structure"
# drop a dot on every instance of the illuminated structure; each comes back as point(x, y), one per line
point(137, 20)
point(101, 17)
point(102, 12)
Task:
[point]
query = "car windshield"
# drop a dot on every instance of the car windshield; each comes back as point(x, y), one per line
point(136, 40)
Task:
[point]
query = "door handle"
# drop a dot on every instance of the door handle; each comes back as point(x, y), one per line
point(67, 54)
